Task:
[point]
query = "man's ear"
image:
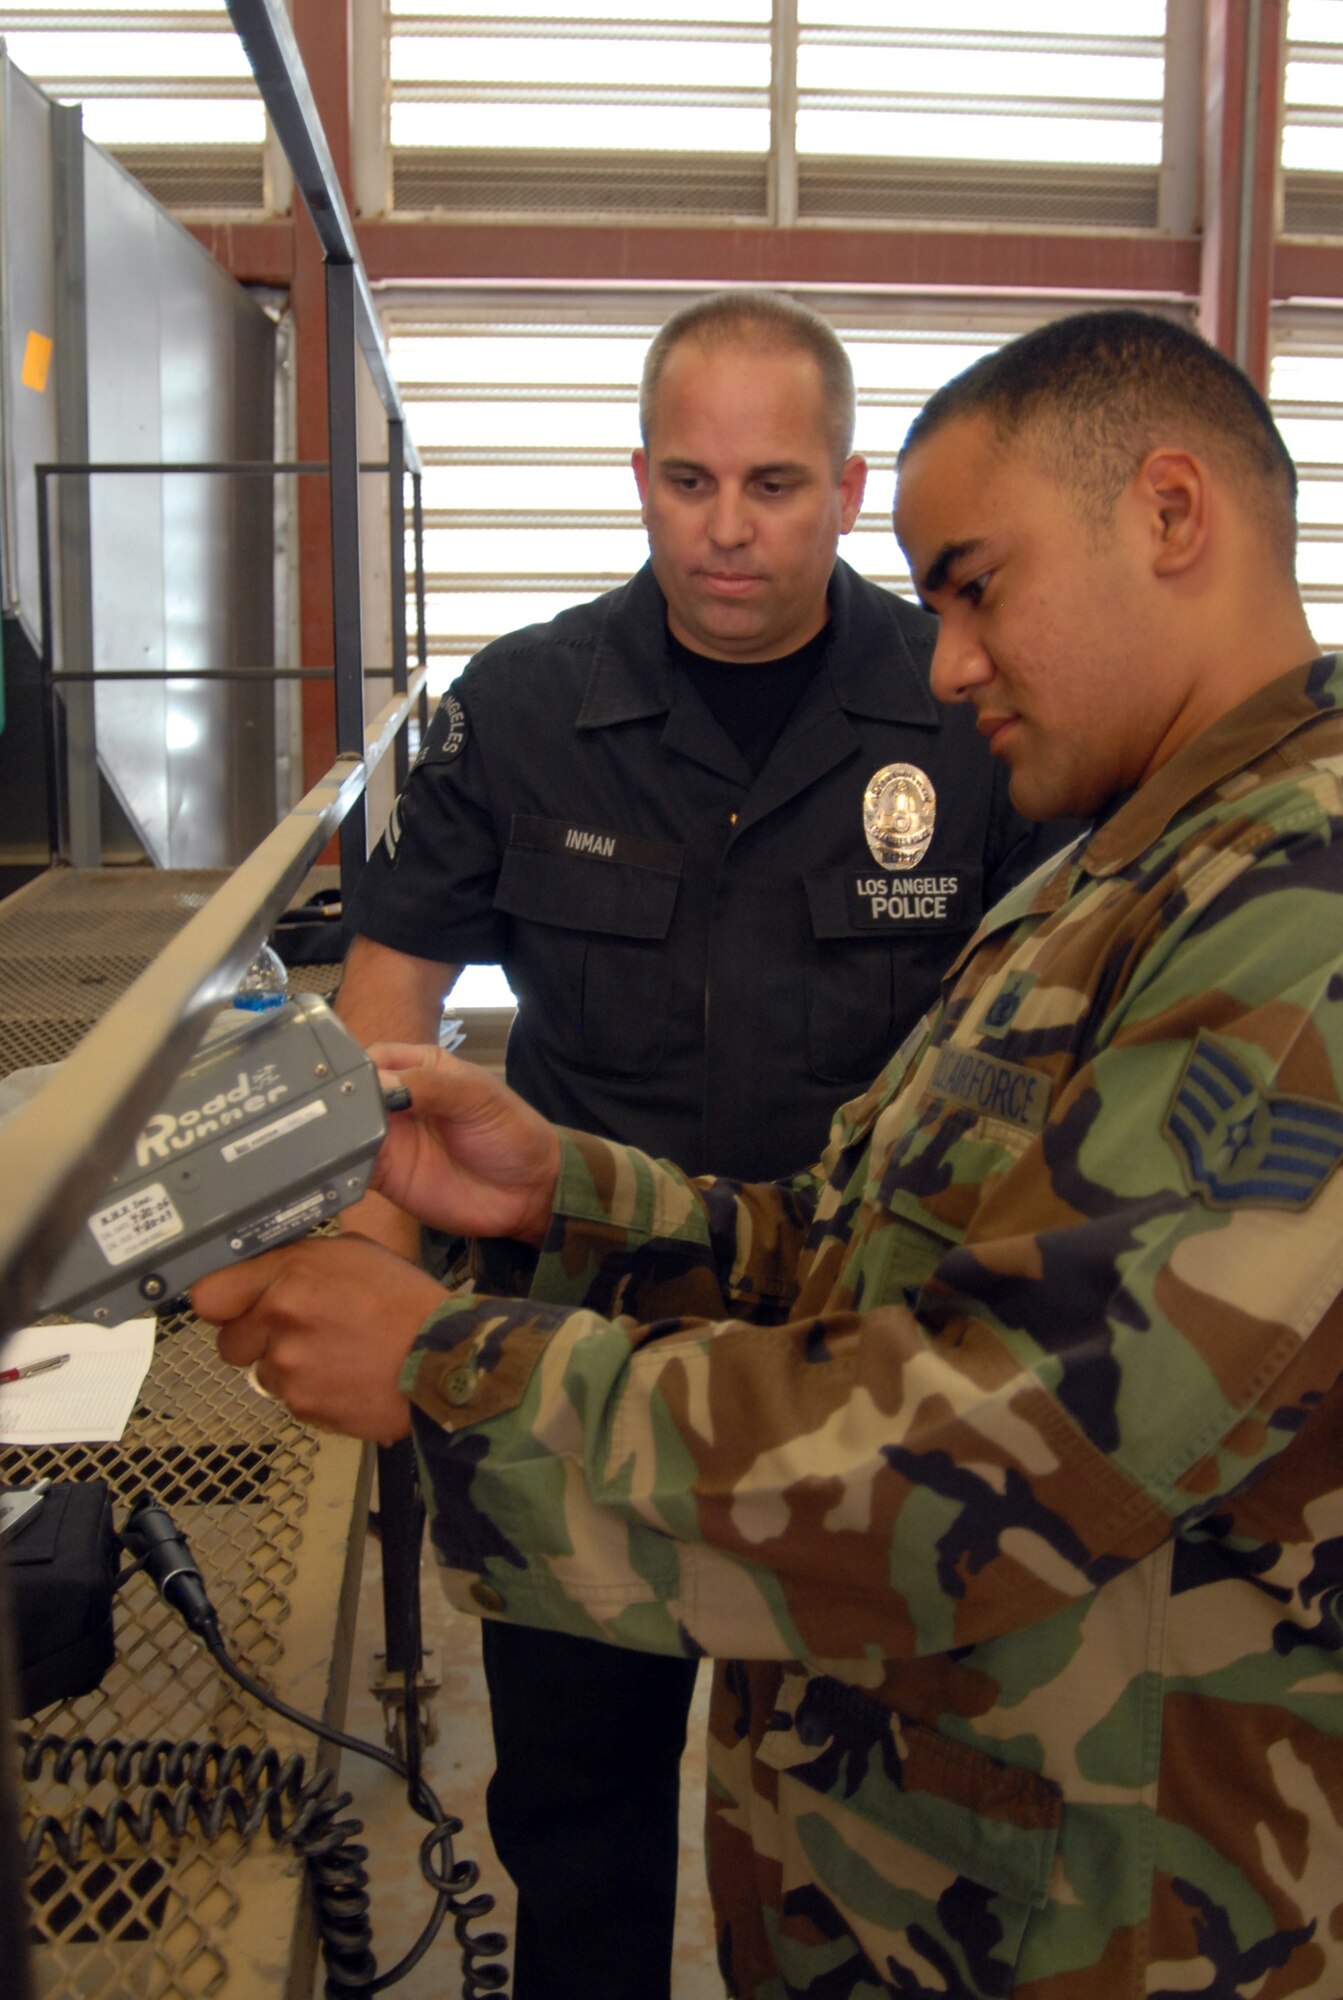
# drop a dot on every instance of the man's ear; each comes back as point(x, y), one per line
point(639, 462)
point(852, 486)
point(1176, 491)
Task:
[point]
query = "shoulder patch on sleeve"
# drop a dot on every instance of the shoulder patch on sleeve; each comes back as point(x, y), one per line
point(445, 737)
point(1236, 1143)
point(391, 833)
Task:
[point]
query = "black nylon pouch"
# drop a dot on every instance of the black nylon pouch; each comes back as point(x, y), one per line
point(62, 1567)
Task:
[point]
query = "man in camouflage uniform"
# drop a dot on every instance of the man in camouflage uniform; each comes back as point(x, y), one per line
point(1000, 1456)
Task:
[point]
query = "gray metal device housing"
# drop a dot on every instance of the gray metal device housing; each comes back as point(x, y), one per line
point(270, 1129)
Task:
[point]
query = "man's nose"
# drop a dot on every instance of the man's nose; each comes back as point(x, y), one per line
point(960, 662)
point(730, 519)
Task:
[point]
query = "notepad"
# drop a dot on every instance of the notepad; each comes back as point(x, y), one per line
point(90, 1400)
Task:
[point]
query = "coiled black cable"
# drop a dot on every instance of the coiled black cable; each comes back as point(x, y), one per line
point(451, 1880)
point(212, 1787)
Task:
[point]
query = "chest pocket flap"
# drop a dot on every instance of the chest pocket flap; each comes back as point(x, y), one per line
point(589, 879)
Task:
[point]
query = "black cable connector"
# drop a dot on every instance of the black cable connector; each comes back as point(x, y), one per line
point(153, 1536)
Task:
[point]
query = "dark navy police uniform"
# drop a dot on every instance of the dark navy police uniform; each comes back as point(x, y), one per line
point(706, 964)
point(703, 966)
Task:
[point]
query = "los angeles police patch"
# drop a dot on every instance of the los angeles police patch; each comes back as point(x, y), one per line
point(446, 735)
point(1236, 1143)
point(899, 807)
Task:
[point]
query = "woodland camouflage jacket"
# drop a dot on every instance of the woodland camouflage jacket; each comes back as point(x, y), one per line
point(1007, 1444)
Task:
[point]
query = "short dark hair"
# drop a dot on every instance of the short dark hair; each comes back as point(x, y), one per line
point(772, 323)
point(1096, 391)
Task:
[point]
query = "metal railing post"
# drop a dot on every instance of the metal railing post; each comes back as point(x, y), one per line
point(421, 627)
point(74, 501)
point(396, 529)
point(343, 425)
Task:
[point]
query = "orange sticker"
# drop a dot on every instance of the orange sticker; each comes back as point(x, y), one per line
point(36, 361)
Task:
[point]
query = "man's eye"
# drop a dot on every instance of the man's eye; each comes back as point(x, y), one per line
point(973, 591)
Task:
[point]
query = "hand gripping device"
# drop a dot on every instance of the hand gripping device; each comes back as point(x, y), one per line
point(272, 1127)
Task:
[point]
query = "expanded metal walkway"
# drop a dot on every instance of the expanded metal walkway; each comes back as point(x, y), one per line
point(275, 1516)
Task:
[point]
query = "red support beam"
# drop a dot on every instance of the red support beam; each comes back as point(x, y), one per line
point(934, 259)
point(262, 253)
point(1308, 271)
point(255, 253)
point(323, 33)
point(1245, 49)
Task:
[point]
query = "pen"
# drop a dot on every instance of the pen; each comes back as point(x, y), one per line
point(33, 1368)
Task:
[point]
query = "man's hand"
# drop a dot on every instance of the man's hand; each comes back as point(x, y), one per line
point(470, 1157)
point(389, 995)
point(327, 1323)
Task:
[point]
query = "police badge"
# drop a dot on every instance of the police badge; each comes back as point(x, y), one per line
point(899, 807)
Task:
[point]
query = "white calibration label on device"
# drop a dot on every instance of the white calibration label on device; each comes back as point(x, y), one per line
point(263, 1135)
point(137, 1222)
point(251, 1238)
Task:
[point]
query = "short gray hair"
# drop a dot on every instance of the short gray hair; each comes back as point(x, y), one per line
point(771, 323)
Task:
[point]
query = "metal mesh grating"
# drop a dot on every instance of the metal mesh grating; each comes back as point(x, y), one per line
point(1312, 204)
point(914, 191)
point(74, 940)
point(581, 185)
point(235, 1473)
point(199, 177)
point(238, 1475)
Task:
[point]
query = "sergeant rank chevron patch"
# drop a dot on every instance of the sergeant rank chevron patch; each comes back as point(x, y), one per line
point(1237, 1143)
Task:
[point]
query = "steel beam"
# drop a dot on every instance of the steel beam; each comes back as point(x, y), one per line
point(1245, 53)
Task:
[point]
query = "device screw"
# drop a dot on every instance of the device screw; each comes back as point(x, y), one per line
point(235, 1243)
point(100, 1314)
point(328, 1194)
point(347, 1089)
point(152, 1287)
point(353, 1181)
point(321, 1070)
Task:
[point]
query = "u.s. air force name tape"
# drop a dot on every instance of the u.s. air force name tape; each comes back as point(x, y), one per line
point(991, 1086)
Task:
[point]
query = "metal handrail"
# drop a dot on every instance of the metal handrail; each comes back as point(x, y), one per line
point(59, 1150)
point(268, 38)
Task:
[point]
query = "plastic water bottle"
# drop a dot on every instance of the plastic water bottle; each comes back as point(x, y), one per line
point(265, 983)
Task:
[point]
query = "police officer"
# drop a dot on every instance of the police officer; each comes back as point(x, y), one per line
point(723, 842)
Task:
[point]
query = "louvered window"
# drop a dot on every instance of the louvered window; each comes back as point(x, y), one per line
point(658, 108)
point(970, 111)
point(812, 110)
point(167, 89)
point(1312, 136)
point(1306, 391)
